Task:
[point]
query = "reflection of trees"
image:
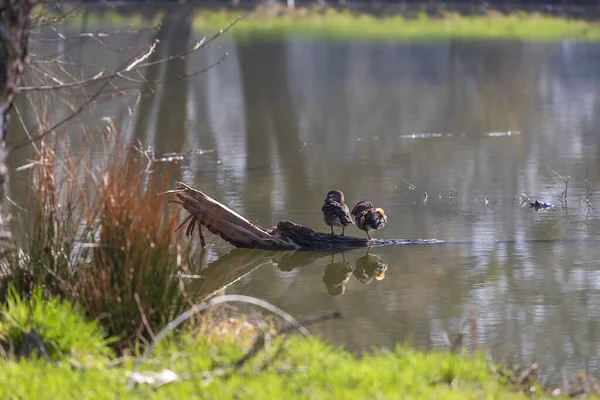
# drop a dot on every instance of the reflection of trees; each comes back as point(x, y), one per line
point(271, 121)
point(162, 110)
point(171, 124)
point(171, 116)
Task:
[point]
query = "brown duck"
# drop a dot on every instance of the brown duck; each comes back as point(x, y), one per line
point(335, 212)
point(368, 218)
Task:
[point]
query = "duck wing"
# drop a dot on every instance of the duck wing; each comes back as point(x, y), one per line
point(361, 206)
point(337, 211)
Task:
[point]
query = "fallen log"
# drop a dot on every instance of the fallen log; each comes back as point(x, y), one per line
point(286, 235)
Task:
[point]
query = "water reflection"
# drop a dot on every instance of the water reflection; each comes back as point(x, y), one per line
point(219, 274)
point(369, 267)
point(365, 269)
point(336, 275)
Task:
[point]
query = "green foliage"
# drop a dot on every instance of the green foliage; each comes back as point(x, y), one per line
point(350, 25)
point(306, 369)
point(274, 20)
point(64, 330)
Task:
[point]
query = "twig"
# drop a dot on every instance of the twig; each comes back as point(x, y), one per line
point(99, 34)
point(143, 57)
point(143, 315)
point(37, 150)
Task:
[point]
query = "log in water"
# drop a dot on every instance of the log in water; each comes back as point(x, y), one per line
point(286, 235)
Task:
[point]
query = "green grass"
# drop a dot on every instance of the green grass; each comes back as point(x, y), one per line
point(277, 21)
point(348, 25)
point(64, 331)
point(307, 369)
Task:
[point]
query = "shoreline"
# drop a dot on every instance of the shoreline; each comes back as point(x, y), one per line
point(345, 23)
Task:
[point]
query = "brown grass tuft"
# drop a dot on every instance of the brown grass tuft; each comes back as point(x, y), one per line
point(102, 237)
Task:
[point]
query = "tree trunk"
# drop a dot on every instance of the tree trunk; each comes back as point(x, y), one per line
point(286, 235)
point(14, 37)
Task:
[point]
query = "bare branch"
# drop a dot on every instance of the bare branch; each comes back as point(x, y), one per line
point(143, 57)
point(98, 34)
point(62, 122)
point(106, 79)
point(137, 65)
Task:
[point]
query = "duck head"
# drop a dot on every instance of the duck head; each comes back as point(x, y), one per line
point(335, 195)
point(381, 214)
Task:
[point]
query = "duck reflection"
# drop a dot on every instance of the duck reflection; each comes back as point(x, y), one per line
point(369, 267)
point(365, 270)
point(337, 274)
point(213, 278)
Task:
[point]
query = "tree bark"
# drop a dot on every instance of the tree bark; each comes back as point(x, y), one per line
point(286, 235)
point(14, 38)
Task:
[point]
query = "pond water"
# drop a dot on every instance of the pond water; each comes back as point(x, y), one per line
point(288, 119)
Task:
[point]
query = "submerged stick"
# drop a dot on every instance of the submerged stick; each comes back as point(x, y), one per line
point(286, 235)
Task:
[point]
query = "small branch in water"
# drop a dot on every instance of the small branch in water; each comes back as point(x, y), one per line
point(457, 344)
point(565, 192)
point(589, 191)
point(152, 159)
point(411, 187)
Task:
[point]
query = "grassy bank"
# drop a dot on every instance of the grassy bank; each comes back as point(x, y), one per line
point(278, 21)
point(309, 369)
point(200, 360)
point(345, 24)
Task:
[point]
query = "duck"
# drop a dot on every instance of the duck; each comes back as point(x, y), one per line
point(368, 218)
point(335, 211)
